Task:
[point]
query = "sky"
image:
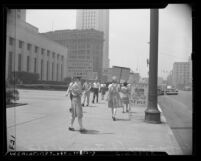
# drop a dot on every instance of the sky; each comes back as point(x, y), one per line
point(129, 31)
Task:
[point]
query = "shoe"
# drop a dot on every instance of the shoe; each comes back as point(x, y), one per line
point(87, 105)
point(83, 130)
point(83, 104)
point(71, 129)
point(113, 118)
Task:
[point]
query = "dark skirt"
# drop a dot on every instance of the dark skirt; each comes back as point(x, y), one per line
point(114, 101)
point(125, 100)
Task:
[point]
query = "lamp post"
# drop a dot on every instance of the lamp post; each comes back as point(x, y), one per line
point(152, 114)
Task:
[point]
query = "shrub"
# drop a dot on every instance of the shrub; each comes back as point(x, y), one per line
point(11, 95)
point(24, 77)
point(51, 82)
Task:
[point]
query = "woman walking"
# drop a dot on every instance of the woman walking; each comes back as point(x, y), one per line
point(125, 96)
point(86, 88)
point(114, 100)
point(76, 104)
point(69, 90)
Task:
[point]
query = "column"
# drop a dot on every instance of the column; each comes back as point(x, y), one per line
point(152, 114)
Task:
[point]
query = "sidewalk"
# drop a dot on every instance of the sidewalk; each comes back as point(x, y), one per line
point(44, 126)
point(123, 134)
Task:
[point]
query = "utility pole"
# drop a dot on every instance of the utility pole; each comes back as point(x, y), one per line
point(152, 114)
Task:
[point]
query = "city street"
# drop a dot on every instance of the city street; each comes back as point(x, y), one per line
point(178, 113)
point(42, 124)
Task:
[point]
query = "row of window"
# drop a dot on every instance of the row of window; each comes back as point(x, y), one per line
point(36, 49)
point(79, 65)
point(79, 57)
point(20, 63)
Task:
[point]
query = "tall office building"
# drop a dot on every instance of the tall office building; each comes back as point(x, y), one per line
point(99, 20)
point(85, 50)
point(182, 74)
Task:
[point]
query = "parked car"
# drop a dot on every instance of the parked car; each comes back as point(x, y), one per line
point(172, 91)
point(160, 92)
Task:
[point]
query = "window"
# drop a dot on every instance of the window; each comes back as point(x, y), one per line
point(19, 62)
point(53, 55)
point(36, 49)
point(20, 44)
point(41, 70)
point(42, 51)
point(10, 64)
point(61, 71)
point(47, 70)
point(57, 71)
point(28, 63)
point(35, 64)
point(52, 71)
point(29, 47)
point(48, 53)
point(11, 41)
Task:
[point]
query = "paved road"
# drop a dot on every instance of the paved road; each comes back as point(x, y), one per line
point(178, 112)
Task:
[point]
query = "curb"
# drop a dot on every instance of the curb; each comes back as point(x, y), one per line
point(169, 129)
point(162, 116)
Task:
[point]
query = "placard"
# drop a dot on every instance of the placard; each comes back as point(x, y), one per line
point(139, 93)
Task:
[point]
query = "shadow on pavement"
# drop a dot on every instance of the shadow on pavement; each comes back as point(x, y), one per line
point(93, 132)
point(117, 119)
point(15, 105)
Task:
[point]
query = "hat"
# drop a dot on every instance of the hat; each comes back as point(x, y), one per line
point(114, 79)
point(77, 77)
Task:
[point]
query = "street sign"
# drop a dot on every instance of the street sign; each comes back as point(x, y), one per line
point(121, 73)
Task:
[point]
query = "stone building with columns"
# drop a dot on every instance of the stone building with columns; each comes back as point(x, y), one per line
point(27, 50)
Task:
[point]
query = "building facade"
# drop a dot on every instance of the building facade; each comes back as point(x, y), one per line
point(134, 77)
point(99, 20)
point(28, 51)
point(169, 79)
point(182, 74)
point(85, 50)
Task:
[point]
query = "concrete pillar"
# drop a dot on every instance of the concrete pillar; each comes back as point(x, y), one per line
point(152, 114)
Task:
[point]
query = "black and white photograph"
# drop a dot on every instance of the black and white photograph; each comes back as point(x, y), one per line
point(117, 80)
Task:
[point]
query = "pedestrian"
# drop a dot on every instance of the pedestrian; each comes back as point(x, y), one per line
point(76, 104)
point(69, 90)
point(96, 88)
point(114, 100)
point(86, 93)
point(103, 90)
point(125, 96)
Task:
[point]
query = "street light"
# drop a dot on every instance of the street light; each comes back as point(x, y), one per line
point(152, 114)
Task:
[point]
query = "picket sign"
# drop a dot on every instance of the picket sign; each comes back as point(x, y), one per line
point(139, 94)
